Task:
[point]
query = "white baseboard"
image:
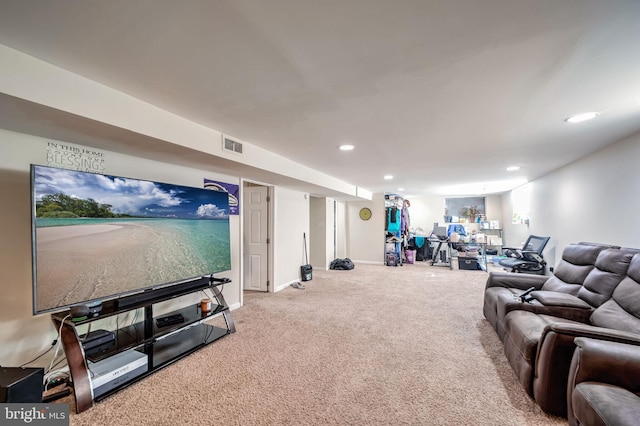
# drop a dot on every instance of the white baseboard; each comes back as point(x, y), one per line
point(368, 262)
point(283, 286)
point(235, 306)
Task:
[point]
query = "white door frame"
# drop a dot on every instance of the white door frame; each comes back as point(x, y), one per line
point(270, 234)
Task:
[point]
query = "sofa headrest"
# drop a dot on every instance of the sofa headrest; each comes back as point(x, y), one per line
point(622, 311)
point(610, 268)
point(599, 244)
point(584, 253)
point(577, 261)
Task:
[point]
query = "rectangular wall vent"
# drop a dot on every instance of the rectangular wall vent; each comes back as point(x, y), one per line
point(231, 145)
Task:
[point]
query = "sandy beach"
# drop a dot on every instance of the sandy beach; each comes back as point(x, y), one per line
point(82, 262)
point(57, 233)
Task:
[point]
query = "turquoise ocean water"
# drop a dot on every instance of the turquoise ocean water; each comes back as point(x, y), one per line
point(207, 239)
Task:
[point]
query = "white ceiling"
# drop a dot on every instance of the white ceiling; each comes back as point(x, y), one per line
point(438, 93)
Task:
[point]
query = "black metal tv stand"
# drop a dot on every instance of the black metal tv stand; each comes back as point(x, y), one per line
point(161, 346)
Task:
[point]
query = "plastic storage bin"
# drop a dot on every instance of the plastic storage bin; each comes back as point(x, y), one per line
point(411, 256)
point(468, 263)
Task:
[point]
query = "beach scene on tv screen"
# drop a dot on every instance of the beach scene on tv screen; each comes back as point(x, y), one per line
point(97, 236)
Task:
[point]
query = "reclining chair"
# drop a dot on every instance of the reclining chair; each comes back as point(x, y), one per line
point(528, 259)
point(603, 387)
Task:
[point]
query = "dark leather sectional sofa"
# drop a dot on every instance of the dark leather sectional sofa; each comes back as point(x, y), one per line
point(594, 292)
point(577, 261)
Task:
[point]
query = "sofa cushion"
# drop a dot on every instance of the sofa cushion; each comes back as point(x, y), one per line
point(622, 311)
point(601, 404)
point(610, 268)
point(492, 294)
point(576, 263)
point(522, 334)
point(525, 328)
point(620, 316)
point(490, 307)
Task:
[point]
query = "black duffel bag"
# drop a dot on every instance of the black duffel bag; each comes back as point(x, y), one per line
point(341, 264)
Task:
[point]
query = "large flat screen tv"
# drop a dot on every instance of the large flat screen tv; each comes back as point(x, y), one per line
point(98, 237)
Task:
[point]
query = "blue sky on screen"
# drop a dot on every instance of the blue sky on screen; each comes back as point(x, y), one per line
point(132, 196)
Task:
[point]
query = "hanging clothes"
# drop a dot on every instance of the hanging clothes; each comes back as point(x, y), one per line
point(393, 219)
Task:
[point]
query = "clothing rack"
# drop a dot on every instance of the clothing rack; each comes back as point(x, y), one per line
point(396, 229)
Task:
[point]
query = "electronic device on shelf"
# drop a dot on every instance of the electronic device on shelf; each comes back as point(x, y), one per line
point(111, 372)
point(169, 320)
point(97, 339)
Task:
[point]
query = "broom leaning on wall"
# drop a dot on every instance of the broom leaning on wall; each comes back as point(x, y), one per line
point(306, 270)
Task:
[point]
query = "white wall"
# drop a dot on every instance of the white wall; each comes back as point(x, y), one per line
point(331, 235)
point(593, 199)
point(327, 231)
point(316, 240)
point(341, 229)
point(291, 217)
point(493, 205)
point(366, 238)
point(23, 335)
point(424, 211)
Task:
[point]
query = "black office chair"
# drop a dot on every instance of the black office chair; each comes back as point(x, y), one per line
point(528, 259)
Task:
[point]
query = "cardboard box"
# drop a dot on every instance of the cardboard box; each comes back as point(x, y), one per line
point(495, 241)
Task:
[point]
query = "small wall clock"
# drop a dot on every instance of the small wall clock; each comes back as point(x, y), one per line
point(365, 213)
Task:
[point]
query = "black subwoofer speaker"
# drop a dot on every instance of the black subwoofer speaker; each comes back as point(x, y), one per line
point(21, 384)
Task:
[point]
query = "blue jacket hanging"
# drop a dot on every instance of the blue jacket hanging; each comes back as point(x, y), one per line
point(393, 219)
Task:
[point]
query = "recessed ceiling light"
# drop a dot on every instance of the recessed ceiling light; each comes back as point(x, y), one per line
point(346, 147)
point(388, 177)
point(581, 117)
point(513, 168)
point(400, 189)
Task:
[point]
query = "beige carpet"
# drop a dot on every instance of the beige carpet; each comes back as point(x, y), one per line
point(373, 346)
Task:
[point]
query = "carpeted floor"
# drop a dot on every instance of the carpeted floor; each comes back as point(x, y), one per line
point(373, 346)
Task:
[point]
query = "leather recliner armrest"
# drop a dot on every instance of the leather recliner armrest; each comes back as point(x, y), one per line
point(511, 280)
point(586, 330)
point(554, 298)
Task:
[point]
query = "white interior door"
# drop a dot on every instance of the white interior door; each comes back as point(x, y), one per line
point(256, 234)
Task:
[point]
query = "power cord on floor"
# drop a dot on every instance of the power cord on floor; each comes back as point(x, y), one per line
point(55, 355)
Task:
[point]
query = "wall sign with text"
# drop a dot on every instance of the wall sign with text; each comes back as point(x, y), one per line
point(74, 157)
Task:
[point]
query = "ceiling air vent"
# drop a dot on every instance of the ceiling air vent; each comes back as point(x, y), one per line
point(231, 146)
